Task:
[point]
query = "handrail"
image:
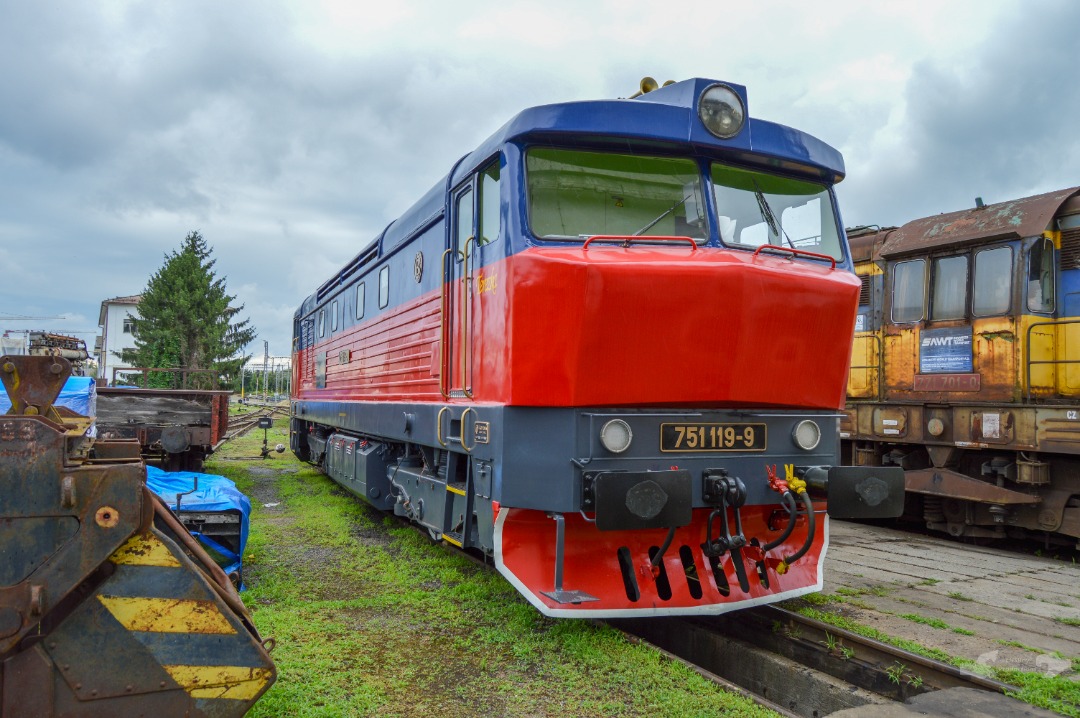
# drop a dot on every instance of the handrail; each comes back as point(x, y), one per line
point(792, 250)
point(466, 344)
point(468, 449)
point(1030, 362)
point(438, 426)
point(626, 239)
point(444, 334)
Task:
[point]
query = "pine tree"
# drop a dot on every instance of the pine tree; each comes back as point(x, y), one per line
point(187, 320)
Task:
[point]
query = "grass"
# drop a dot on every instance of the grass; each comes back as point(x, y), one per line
point(935, 623)
point(371, 618)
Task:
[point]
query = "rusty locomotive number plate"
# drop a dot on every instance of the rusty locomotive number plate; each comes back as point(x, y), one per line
point(712, 437)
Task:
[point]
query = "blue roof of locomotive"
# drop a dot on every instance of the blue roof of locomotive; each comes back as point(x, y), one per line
point(666, 117)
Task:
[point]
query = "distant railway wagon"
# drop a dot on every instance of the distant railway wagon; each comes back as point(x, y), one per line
point(965, 367)
point(176, 428)
point(608, 350)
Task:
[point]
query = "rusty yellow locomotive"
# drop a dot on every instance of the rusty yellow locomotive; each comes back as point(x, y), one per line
point(965, 367)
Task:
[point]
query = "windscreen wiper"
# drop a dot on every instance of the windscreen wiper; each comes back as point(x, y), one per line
point(665, 213)
point(768, 217)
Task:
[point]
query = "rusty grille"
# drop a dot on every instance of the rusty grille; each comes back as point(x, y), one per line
point(864, 290)
point(1070, 248)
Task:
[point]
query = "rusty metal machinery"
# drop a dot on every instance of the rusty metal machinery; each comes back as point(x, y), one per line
point(107, 605)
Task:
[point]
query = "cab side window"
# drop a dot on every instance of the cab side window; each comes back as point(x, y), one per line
point(489, 204)
point(1040, 277)
point(992, 292)
point(908, 291)
point(464, 221)
point(950, 281)
point(384, 287)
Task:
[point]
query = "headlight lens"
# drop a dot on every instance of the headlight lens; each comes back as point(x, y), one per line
point(807, 435)
point(616, 436)
point(721, 111)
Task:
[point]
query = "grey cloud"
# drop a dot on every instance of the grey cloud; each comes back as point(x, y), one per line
point(1000, 125)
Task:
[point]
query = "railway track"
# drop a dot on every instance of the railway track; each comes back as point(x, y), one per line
point(796, 665)
point(241, 424)
point(801, 666)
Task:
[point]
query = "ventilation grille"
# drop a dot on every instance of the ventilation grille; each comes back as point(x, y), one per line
point(1070, 248)
point(864, 290)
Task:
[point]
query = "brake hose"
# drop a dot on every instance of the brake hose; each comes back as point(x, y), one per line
point(663, 549)
point(793, 513)
point(788, 560)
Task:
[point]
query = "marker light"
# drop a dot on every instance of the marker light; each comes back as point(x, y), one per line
point(615, 435)
point(807, 435)
point(721, 111)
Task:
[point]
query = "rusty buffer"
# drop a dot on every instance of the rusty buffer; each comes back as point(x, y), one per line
point(108, 607)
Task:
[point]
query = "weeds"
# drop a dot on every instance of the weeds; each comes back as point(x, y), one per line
point(371, 618)
point(936, 623)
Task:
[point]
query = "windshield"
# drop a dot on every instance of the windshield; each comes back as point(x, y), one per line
point(754, 208)
point(575, 194)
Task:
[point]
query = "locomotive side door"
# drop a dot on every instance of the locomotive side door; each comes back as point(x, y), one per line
point(456, 361)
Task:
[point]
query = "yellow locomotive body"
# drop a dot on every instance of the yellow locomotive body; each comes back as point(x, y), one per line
point(965, 367)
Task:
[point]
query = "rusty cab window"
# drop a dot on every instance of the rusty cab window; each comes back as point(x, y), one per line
point(1040, 276)
point(992, 291)
point(333, 316)
point(948, 298)
point(322, 322)
point(908, 292)
point(360, 300)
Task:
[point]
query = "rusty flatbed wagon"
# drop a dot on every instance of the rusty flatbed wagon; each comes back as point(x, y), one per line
point(176, 428)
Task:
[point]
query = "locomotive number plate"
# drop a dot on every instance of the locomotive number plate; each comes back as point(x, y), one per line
point(687, 438)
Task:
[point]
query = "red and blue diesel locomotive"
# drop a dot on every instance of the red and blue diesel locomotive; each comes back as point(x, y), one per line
point(609, 350)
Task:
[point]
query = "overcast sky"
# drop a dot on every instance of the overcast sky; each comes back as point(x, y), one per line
point(290, 133)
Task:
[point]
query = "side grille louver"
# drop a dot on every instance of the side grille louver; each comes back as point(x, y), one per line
point(1070, 248)
point(864, 291)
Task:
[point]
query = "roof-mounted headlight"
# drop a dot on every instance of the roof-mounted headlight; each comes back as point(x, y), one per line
point(721, 111)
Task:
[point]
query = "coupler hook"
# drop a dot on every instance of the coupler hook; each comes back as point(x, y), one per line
point(732, 493)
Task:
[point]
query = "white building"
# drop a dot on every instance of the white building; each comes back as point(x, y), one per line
point(115, 323)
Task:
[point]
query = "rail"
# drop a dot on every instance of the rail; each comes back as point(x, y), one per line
point(1031, 362)
point(184, 375)
point(746, 645)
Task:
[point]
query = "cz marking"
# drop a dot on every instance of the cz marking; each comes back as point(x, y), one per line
point(689, 438)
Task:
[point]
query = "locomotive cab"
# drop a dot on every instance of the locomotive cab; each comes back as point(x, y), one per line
point(966, 364)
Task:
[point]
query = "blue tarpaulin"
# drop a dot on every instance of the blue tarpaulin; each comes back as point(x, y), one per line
point(215, 493)
point(79, 394)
